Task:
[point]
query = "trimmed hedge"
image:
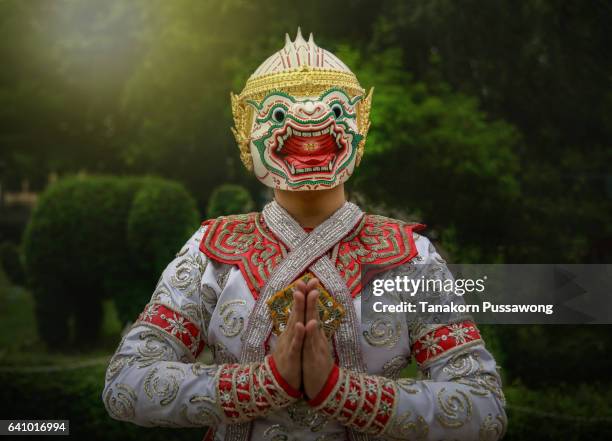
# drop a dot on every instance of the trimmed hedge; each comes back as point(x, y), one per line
point(10, 259)
point(549, 355)
point(569, 412)
point(76, 395)
point(229, 199)
point(101, 236)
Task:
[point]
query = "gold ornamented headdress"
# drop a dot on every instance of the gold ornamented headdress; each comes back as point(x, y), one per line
point(301, 68)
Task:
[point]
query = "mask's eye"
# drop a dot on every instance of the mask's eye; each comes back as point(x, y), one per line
point(337, 109)
point(279, 114)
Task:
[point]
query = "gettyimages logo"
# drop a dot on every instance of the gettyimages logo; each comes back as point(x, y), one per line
point(413, 286)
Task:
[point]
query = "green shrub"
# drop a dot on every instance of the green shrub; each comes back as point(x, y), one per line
point(229, 199)
point(96, 237)
point(76, 395)
point(573, 412)
point(548, 355)
point(10, 259)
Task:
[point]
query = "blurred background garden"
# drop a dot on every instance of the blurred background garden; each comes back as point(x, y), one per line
point(491, 123)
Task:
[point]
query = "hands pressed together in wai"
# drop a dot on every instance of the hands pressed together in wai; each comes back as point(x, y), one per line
point(303, 354)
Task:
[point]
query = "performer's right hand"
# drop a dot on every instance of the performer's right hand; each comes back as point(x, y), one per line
point(288, 351)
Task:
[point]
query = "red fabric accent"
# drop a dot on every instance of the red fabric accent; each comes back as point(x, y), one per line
point(356, 402)
point(247, 391)
point(174, 323)
point(380, 243)
point(245, 240)
point(330, 383)
point(290, 390)
point(445, 338)
point(225, 386)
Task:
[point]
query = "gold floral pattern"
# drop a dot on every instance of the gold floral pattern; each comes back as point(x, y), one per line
point(454, 408)
point(164, 383)
point(120, 401)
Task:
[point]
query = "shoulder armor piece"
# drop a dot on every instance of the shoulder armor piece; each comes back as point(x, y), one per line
point(244, 240)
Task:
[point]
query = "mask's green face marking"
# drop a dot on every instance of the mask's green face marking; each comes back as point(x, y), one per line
point(305, 143)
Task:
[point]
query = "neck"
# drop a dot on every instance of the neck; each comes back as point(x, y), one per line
point(311, 208)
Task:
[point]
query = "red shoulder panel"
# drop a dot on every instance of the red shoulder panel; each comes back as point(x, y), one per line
point(379, 242)
point(245, 241)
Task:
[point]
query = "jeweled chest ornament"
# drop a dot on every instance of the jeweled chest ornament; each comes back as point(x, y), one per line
point(302, 118)
point(330, 311)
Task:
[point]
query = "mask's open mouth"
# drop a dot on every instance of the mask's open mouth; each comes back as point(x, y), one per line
point(310, 151)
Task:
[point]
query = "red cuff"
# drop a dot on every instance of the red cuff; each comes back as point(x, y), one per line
point(289, 390)
point(332, 379)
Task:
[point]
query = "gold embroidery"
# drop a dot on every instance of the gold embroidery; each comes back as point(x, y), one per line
point(232, 325)
point(462, 365)
point(276, 432)
point(363, 123)
point(121, 402)
point(393, 367)
point(330, 311)
point(187, 274)
point(406, 384)
point(258, 389)
point(154, 348)
point(403, 427)
point(302, 81)
point(483, 384)
point(223, 275)
point(492, 429)
point(160, 291)
point(232, 237)
point(383, 331)
point(203, 414)
point(304, 416)
point(456, 408)
point(164, 385)
point(198, 369)
point(222, 355)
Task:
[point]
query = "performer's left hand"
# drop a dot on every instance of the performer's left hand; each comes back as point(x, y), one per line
point(317, 360)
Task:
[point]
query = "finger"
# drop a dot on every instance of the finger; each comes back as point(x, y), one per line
point(299, 300)
point(312, 312)
point(298, 339)
point(316, 334)
point(309, 335)
point(312, 284)
point(301, 286)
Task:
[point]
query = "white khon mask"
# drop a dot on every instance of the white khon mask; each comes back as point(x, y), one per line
point(302, 119)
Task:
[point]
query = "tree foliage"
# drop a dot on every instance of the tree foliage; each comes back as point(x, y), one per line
point(229, 199)
point(497, 114)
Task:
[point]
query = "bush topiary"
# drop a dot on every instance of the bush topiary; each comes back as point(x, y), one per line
point(229, 199)
point(101, 236)
point(74, 395)
point(10, 260)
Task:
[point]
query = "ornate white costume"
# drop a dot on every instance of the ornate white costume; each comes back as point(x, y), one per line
point(215, 293)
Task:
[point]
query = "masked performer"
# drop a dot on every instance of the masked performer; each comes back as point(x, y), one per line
point(295, 359)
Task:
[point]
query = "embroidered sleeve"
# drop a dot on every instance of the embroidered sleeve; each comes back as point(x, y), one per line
point(459, 398)
point(250, 391)
point(153, 379)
